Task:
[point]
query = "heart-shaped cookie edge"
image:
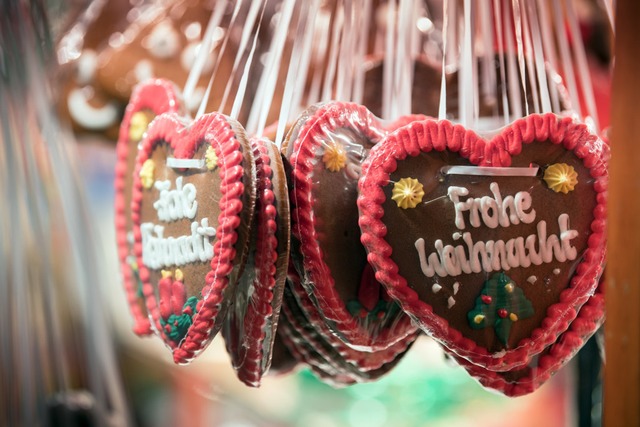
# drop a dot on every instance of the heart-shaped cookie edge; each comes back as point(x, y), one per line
point(430, 135)
point(159, 96)
point(252, 358)
point(229, 250)
point(302, 161)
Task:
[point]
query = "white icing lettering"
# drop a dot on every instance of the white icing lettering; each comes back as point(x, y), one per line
point(159, 251)
point(493, 210)
point(175, 204)
point(499, 255)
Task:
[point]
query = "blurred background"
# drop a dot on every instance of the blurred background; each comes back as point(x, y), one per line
point(68, 354)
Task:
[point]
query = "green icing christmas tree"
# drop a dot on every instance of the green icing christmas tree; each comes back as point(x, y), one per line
point(500, 304)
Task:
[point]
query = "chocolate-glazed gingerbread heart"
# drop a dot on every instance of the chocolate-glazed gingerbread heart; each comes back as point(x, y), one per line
point(147, 101)
point(493, 263)
point(250, 327)
point(526, 380)
point(325, 149)
point(193, 199)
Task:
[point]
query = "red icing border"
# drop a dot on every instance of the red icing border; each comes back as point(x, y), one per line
point(430, 135)
point(260, 311)
point(159, 96)
point(303, 159)
point(185, 140)
point(590, 318)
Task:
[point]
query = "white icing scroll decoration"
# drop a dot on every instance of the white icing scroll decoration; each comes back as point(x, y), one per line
point(489, 171)
point(185, 163)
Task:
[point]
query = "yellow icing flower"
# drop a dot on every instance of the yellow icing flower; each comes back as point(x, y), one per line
point(210, 158)
point(146, 174)
point(561, 178)
point(513, 317)
point(179, 275)
point(407, 193)
point(335, 157)
point(139, 122)
point(478, 318)
point(166, 274)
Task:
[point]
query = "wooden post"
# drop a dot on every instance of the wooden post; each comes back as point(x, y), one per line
point(622, 329)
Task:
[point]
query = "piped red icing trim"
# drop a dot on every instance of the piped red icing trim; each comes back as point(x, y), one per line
point(260, 311)
point(590, 318)
point(333, 115)
point(158, 96)
point(213, 129)
point(428, 135)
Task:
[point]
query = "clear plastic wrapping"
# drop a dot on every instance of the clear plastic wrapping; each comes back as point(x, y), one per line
point(325, 150)
point(491, 243)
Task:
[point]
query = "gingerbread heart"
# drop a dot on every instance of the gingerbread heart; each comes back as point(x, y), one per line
point(493, 263)
point(250, 327)
point(192, 205)
point(325, 149)
point(147, 101)
point(308, 322)
point(526, 380)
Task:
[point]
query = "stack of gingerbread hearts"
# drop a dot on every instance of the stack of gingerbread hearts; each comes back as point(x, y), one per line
point(359, 236)
point(493, 244)
point(203, 229)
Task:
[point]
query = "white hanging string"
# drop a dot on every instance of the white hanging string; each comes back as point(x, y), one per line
point(528, 54)
point(533, 26)
point(266, 88)
point(513, 78)
point(442, 106)
point(255, 9)
point(489, 85)
point(497, 19)
point(343, 61)
point(322, 30)
point(332, 64)
point(404, 61)
point(609, 7)
point(580, 58)
point(220, 57)
point(298, 68)
point(363, 38)
point(389, 61)
point(466, 83)
point(550, 52)
point(517, 22)
point(205, 48)
point(565, 57)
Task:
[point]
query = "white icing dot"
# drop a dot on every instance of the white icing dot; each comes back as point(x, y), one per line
point(163, 42)
point(456, 235)
point(436, 288)
point(556, 271)
point(456, 288)
point(450, 302)
point(532, 279)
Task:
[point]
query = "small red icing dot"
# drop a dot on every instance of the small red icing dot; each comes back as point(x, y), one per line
point(363, 313)
point(486, 299)
point(502, 313)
